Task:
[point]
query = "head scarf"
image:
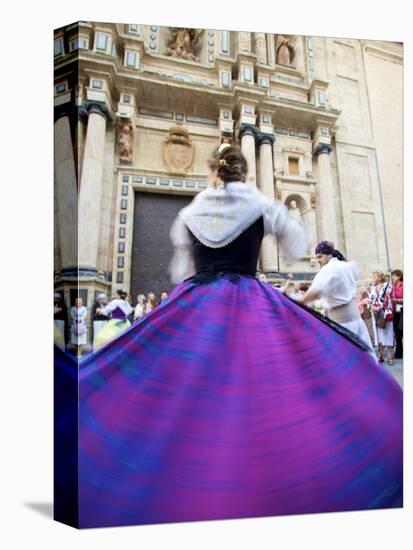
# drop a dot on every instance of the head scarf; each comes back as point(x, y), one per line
point(327, 247)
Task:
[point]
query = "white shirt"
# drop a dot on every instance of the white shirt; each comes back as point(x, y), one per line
point(336, 283)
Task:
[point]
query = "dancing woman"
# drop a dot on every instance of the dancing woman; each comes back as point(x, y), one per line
point(228, 399)
point(119, 309)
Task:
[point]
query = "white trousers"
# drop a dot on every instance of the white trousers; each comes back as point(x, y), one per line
point(358, 326)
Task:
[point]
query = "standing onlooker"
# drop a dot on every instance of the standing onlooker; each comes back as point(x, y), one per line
point(262, 277)
point(60, 320)
point(164, 296)
point(150, 302)
point(397, 297)
point(381, 304)
point(78, 314)
point(140, 307)
point(99, 320)
point(364, 306)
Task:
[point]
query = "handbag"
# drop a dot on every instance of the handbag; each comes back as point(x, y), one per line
point(380, 319)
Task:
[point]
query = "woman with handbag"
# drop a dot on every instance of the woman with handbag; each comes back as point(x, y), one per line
point(381, 304)
point(78, 314)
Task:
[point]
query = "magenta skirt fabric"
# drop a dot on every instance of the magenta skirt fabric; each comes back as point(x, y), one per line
point(231, 401)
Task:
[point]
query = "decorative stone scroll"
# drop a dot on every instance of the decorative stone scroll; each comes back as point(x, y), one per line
point(178, 150)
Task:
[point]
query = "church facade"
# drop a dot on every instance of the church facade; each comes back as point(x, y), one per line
point(138, 110)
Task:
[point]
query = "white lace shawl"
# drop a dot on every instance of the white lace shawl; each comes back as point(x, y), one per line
point(218, 216)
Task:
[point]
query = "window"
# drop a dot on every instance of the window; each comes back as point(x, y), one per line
point(102, 41)
point(121, 261)
point(78, 44)
point(124, 190)
point(247, 73)
point(121, 247)
point(225, 42)
point(321, 97)
point(122, 218)
point(98, 84)
point(124, 204)
point(122, 232)
point(131, 59)
point(119, 277)
point(293, 166)
point(60, 88)
point(134, 29)
point(58, 46)
point(225, 79)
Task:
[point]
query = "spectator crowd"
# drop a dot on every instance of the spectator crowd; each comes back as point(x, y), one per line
point(380, 302)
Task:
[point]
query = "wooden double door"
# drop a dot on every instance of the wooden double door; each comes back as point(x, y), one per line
point(151, 246)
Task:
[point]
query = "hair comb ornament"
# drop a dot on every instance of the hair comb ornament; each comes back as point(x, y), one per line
point(223, 146)
point(222, 162)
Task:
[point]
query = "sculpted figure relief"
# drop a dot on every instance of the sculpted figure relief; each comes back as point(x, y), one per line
point(182, 42)
point(125, 142)
point(284, 50)
point(293, 210)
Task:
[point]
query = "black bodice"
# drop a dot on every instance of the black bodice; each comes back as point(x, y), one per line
point(239, 256)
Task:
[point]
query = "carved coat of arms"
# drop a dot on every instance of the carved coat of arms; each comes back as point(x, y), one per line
point(178, 150)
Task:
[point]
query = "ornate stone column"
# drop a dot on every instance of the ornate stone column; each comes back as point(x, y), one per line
point(91, 185)
point(269, 249)
point(247, 133)
point(326, 216)
point(65, 186)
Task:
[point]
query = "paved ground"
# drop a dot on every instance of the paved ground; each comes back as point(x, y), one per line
point(396, 370)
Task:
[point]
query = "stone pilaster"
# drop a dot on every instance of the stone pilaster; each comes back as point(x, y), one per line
point(91, 185)
point(326, 226)
point(65, 186)
point(269, 251)
point(247, 134)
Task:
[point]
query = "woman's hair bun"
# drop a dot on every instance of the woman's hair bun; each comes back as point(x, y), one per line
point(229, 162)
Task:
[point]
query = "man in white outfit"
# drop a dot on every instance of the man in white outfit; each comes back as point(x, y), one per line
point(335, 285)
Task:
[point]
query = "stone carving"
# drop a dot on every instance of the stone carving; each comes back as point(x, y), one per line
point(260, 47)
point(279, 172)
point(226, 139)
point(284, 50)
point(293, 210)
point(178, 150)
point(182, 42)
point(125, 142)
point(309, 175)
point(293, 149)
point(278, 194)
point(244, 41)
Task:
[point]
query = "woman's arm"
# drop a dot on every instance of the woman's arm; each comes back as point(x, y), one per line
point(182, 264)
point(291, 233)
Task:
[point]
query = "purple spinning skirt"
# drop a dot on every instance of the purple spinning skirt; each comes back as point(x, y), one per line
point(228, 401)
